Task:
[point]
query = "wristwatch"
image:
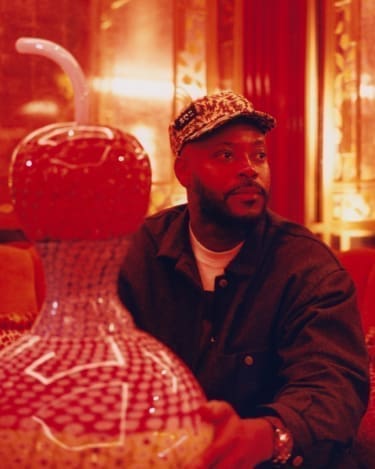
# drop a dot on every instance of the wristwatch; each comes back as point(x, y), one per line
point(282, 441)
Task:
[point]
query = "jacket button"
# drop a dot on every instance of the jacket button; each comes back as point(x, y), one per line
point(297, 461)
point(212, 339)
point(223, 282)
point(248, 360)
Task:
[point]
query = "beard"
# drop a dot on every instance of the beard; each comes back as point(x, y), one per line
point(216, 211)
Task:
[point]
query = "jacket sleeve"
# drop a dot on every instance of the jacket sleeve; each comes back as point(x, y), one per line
point(133, 276)
point(324, 371)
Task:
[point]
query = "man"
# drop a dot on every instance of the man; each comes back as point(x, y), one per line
point(258, 308)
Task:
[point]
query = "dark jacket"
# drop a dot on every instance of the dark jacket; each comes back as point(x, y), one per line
point(285, 329)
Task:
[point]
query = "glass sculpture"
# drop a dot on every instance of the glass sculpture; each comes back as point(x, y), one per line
point(85, 388)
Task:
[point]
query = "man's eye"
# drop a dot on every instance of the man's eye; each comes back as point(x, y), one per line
point(224, 155)
point(261, 155)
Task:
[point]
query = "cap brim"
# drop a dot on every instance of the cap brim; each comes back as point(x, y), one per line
point(261, 120)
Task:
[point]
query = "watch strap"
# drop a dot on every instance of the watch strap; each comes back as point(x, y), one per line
point(282, 441)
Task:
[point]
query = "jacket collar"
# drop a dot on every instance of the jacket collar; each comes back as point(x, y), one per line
point(176, 243)
point(176, 238)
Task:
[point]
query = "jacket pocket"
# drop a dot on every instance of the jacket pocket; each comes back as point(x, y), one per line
point(244, 379)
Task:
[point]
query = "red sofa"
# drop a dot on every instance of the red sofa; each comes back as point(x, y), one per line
point(21, 289)
point(360, 263)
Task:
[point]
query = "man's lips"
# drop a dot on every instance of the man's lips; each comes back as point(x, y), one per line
point(246, 190)
point(249, 190)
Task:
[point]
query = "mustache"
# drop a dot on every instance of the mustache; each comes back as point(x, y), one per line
point(245, 185)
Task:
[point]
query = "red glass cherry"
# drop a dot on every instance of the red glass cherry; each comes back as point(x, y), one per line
point(72, 181)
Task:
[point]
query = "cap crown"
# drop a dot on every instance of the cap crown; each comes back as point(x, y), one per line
point(207, 113)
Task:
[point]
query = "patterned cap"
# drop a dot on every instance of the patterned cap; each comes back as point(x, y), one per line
point(210, 112)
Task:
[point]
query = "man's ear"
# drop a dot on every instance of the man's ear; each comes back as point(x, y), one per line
point(182, 171)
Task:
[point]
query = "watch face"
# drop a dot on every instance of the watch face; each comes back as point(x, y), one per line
point(283, 445)
point(283, 441)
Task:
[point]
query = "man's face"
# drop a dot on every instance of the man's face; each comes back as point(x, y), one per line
point(226, 173)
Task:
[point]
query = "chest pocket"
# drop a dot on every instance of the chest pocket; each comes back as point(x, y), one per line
point(244, 379)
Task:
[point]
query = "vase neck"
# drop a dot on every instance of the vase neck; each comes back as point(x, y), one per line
point(81, 288)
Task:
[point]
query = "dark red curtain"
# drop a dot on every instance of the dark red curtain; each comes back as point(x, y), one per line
point(274, 80)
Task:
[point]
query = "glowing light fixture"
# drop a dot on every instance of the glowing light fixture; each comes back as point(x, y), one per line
point(133, 87)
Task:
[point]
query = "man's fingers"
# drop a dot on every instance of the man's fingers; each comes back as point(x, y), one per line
point(216, 411)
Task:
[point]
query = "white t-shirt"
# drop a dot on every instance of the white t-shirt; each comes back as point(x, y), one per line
point(211, 263)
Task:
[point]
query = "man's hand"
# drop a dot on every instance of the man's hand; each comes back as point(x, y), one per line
point(237, 443)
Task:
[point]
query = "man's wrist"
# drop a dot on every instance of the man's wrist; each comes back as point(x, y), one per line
point(282, 441)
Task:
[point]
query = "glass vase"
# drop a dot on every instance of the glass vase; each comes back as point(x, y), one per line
point(85, 388)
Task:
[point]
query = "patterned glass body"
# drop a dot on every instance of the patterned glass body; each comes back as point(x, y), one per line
point(86, 388)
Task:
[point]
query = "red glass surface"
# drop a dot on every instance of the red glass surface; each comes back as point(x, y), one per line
point(80, 182)
point(85, 387)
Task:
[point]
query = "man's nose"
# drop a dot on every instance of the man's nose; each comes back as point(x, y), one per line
point(247, 166)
